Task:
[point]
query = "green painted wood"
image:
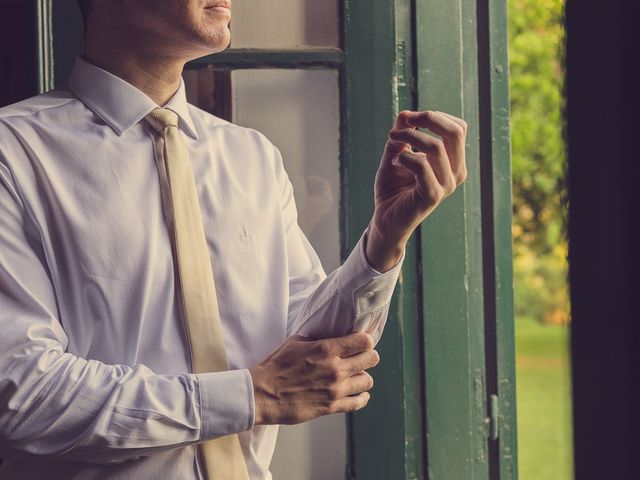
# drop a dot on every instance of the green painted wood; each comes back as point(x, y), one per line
point(452, 255)
point(497, 212)
point(257, 58)
point(386, 438)
point(477, 294)
point(410, 298)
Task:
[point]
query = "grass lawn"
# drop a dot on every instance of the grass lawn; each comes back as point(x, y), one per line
point(543, 401)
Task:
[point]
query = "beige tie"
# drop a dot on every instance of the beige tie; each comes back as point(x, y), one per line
point(222, 457)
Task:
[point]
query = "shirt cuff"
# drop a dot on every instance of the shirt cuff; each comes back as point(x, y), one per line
point(363, 285)
point(226, 403)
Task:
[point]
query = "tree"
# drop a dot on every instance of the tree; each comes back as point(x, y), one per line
point(539, 157)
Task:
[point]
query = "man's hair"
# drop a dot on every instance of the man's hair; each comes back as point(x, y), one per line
point(85, 8)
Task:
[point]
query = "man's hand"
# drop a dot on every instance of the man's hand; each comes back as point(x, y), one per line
point(304, 379)
point(411, 184)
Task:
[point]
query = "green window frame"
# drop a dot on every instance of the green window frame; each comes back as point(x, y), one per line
point(444, 402)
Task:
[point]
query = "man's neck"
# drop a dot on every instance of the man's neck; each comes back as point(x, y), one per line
point(158, 77)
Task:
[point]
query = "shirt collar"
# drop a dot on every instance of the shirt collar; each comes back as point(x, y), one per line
point(120, 104)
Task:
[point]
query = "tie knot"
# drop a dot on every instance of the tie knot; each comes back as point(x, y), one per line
point(161, 118)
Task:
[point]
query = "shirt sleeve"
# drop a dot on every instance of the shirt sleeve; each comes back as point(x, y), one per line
point(55, 404)
point(353, 298)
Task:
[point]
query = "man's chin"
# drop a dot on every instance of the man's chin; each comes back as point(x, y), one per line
point(219, 47)
point(221, 39)
point(209, 46)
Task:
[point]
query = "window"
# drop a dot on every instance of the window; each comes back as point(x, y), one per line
point(444, 401)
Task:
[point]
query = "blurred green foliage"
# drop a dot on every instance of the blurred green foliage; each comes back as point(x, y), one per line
point(539, 159)
point(540, 245)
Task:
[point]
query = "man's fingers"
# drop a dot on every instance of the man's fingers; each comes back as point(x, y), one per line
point(358, 383)
point(402, 120)
point(447, 158)
point(453, 131)
point(416, 163)
point(436, 154)
point(361, 361)
point(346, 346)
point(422, 141)
point(438, 122)
point(350, 404)
point(454, 143)
point(459, 121)
point(393, 147)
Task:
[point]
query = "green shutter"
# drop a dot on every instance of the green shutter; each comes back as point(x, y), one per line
point(448, 350)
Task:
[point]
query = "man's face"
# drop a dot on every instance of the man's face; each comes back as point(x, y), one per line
point(186, 28)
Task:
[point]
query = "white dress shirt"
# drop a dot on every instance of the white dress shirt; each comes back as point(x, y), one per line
point(94, 370)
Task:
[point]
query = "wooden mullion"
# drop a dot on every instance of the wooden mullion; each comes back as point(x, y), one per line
point(235, 59)
point(387, 438)
point(495, 159)
point(452, 255)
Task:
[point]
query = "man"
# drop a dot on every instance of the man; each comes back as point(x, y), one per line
point(99, 248)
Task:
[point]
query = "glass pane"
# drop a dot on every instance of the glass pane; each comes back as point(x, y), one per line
point(285, 24)
point(210, 90)
point(299, 111)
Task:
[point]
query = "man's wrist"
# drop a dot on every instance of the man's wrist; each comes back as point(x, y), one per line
point(383, 253)
point(259, 412)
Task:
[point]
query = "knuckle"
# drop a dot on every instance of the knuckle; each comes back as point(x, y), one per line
point(309, 363)
point(461, 176)
point(435, 146)
point(450, 186)
point(334, 371)
point(330, 409)
point(333, 393)
point(434, 195)
point(367, 341)
point(323, 348)
point(336, 407)
point(431, 145)
point(459, 132)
